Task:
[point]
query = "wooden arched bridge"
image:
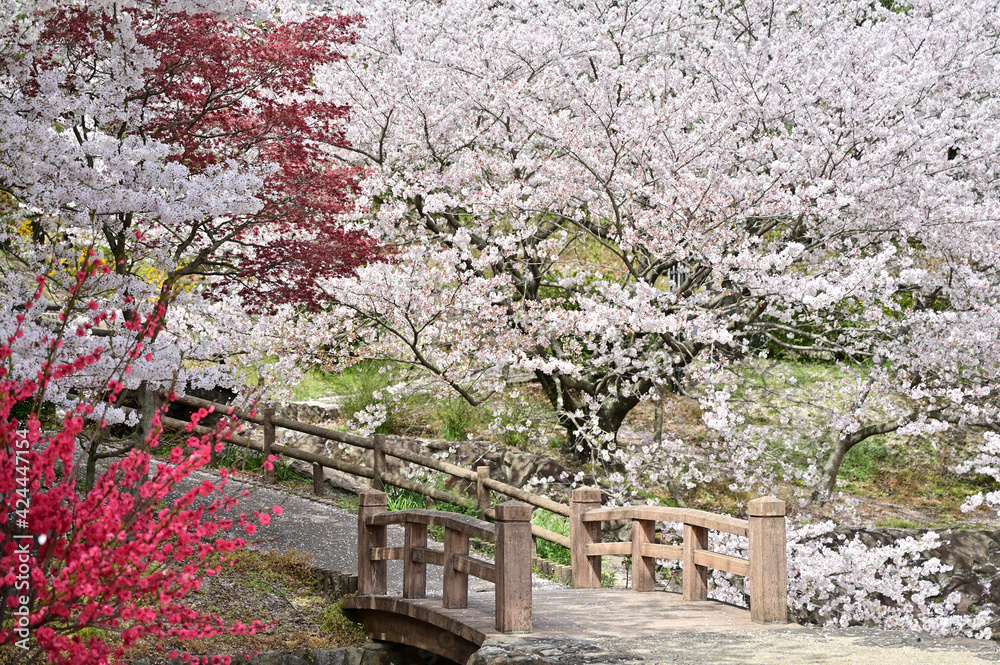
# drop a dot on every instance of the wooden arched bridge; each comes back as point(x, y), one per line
point(455, 625)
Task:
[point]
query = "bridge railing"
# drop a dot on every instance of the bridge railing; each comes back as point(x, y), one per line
point(764, 569)
point(510, 572)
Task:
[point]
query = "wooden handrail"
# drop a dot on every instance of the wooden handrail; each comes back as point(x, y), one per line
point(464, 523)
point(510, 572)
point(764, 569)
point(278, 421)
point(702, 518)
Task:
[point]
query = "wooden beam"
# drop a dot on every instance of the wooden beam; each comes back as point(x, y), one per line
point(386, 554)
point(608, 549)
point(513, 568)
point(473, 566)
point(723, 562)
point(414, 572)
point(456, 583)
point(463, 523)
point(528, 497)
point(660, 551)
point(768, 576)
point(695, 578)
point(700, 518)
point(643, 568)
point(419, 488)
point(285, 423)
point(586, 568)
point(424, 555)
point(371, 573)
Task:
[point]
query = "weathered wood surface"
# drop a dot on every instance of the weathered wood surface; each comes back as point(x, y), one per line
point(700, 518)
point(767, 574)
point(580, 613)
point(470, 525)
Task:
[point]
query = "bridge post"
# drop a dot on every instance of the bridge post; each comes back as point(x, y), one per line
point(378, 461)
point(482, 491)
point(768, 575)
point(513, 567)
point(371, 574)
point(414, 572)
point(586, 570)
point(456, 583)
point(643, 567)
point(695, 577)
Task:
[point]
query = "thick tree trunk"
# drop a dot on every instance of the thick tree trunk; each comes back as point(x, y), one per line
point(831, 468)
point(828, 480)
point(610, 415)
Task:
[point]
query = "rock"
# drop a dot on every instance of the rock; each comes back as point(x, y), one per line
point(548, 651)
point(329, 656)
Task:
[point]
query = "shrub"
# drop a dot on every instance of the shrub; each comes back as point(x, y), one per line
point(121, 558)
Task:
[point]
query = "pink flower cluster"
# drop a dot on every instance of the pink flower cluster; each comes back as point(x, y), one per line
point(120, 558)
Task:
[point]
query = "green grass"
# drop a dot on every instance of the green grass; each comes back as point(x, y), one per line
point(896, 523)
point(400, 499)
point(252, 461)
point(459, 418)
point(552, 522)
point(333, 621)
point(866, 460)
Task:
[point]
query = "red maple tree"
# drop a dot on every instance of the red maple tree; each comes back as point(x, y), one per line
point(227, 92)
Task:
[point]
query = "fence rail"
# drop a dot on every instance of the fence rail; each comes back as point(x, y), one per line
point(764, 568)
point(377, 473)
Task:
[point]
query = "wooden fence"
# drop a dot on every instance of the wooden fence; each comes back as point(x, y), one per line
point(377, 473)
point(764, 569)
point(765, 528)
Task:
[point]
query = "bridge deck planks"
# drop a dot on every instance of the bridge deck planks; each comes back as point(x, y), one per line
point(593, 612)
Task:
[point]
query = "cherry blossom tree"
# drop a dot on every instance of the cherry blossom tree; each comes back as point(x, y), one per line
point(187, 143)
point(610, 195)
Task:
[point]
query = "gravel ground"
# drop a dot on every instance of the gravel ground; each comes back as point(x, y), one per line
point(793, 646)
point(826, 646)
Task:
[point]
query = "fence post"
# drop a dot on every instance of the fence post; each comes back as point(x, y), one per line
point(482, 491)
point(513, 567)
point(371, 574)
point(643, 568)
point(586, 570)
point(268, 415)
point(456, 583)
point(318, 479)
point(768, 576)
point(378, 461)
point(695, 577)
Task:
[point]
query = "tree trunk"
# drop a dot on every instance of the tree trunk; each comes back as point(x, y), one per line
point(828, 481)
point(88, 482)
